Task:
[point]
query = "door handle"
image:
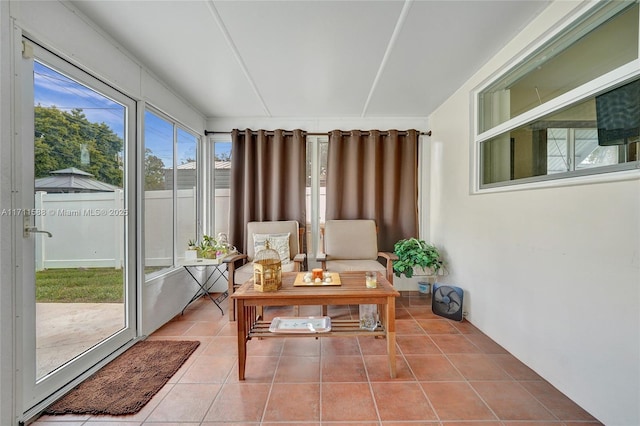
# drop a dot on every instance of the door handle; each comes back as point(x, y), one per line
point(28, 229)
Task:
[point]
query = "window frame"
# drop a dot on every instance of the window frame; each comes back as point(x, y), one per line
point(176, 126)
point(608, 81)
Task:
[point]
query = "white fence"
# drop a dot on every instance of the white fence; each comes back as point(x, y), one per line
point(89, 229)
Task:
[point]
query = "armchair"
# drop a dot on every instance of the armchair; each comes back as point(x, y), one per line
point(240, 266)
point(352, 245)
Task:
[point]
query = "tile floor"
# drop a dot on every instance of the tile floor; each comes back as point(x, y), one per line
point(449, 374)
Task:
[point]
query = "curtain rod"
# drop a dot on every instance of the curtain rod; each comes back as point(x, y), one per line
point(289, 133)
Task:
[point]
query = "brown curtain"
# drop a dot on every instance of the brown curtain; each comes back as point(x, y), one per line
point(373, 175)
point(268, 179)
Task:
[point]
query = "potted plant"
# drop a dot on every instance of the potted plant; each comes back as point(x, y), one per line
point(415, 253)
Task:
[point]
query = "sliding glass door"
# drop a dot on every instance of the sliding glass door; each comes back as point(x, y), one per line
point(78, 281)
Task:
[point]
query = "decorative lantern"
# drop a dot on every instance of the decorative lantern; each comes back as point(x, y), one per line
point(267, 270)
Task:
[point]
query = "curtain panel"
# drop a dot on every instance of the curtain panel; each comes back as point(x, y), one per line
point(374, 175)
point(268, 179)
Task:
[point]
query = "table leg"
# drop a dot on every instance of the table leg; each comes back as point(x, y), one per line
point(203, 288)
point(390, 326)
point(241, 321)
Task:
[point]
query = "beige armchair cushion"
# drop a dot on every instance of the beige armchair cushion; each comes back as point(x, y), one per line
point(352, 245)
point(350, 239)
point(273, 227)
point(277, 242)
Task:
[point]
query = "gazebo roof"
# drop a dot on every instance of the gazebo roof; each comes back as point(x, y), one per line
point(72, 180)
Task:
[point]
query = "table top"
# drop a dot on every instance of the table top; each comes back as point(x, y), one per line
point(353, 286)
point(201, 262)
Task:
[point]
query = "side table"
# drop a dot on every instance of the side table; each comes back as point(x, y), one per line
point(210, 266)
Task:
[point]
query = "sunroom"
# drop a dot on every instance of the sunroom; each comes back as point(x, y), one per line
point(524, 120)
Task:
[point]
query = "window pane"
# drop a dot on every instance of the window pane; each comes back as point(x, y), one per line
point(187, 145)
point(222, 180)
point(587, 135)
point(158, 193)
point(580, 55)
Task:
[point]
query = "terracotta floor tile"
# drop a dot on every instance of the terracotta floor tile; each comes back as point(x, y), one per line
point(341, 346)
point(454, 343)
point(422, 312)
point(370, 345)
point(175, 328)
point(456, 401)
point(222, 345)
point(465, 327)
point(343, 368)
point(185, 403)
point(204, 328)
point(264, 347)
point(417, 345)
point(437, 326)
point(402, 402)
point(510, 401)
point(556, 402)
point(432, 368)
point(209, 369)
point(239, 402)
point(347, 402)
point(301, 346)
point(258, 369)
point(378, 369)
point(402, 313)
point(485, 344)
point(293, 403)
point(514, 367)
point(477, 367)
point(298, 369)
point(410, 326)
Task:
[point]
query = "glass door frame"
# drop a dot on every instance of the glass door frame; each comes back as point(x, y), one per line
point(36, 391)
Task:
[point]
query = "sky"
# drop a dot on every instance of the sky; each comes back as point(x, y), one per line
point(54, 89)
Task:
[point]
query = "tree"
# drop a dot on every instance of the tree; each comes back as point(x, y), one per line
point(153, 171)
point(222, 156)
point(63, 137)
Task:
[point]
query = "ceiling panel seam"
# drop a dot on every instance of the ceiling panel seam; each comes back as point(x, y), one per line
point(392, 41)
point(236, 54)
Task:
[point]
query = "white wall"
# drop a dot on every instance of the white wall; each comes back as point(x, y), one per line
point(551, 274)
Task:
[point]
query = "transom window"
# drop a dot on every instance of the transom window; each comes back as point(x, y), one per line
point(570, 108)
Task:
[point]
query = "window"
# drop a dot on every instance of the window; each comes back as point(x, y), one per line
point(317, 148)
point(221, 182)
point(570, 108)
point(170, 206)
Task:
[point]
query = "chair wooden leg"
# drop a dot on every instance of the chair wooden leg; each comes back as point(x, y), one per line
point(324, 310)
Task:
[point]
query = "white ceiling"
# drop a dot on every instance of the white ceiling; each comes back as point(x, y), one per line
point(313, 58)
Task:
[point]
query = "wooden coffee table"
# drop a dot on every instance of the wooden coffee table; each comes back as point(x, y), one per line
point(352, 291)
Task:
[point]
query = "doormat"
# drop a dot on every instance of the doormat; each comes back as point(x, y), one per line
point(128, 382)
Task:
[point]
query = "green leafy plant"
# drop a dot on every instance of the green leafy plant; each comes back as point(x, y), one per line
point(412, 253)
point(210, 247)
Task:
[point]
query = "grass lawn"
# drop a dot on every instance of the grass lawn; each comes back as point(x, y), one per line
point(90, 285)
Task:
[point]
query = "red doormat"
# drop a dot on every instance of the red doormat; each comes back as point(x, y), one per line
point(128, 382)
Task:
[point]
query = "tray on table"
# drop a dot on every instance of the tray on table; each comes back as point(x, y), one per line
point(300, 325)
point(300, 282)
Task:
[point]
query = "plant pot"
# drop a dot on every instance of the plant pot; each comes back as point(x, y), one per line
point(424, 287)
